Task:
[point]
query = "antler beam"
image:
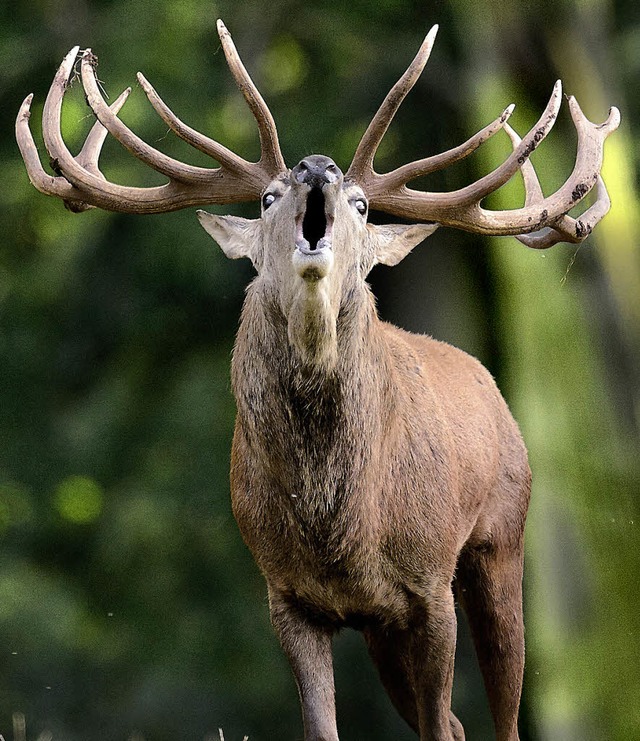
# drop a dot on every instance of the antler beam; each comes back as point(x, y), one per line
point(80, 183)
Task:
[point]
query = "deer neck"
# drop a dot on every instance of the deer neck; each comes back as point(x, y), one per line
point(327, 360)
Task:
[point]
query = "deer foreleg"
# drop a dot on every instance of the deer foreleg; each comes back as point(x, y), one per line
point(308, 648)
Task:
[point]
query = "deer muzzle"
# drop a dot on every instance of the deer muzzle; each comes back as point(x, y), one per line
point(317, 180)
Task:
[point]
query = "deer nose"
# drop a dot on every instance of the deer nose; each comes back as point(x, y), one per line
point(316, 171)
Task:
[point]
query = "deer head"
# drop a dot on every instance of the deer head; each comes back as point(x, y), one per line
point(313, 217)
point(311, 247)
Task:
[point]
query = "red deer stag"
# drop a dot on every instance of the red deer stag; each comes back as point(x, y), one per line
point(374, 473)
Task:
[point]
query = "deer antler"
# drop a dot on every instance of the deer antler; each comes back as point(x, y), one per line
point(461, 208)
point(80, 183)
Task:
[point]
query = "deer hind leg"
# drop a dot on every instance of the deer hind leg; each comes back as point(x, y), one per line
point(390, 651)
point(489, 587)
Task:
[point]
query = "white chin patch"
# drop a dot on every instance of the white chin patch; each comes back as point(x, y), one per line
point(313, 264)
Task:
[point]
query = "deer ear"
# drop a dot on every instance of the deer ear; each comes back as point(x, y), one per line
point(393, 242)
point(236, 236)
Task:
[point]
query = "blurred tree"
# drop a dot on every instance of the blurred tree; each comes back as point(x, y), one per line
point(128, 602)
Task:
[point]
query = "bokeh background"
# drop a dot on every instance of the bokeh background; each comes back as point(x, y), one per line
point(129, 607)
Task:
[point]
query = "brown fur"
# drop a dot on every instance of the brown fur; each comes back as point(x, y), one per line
point(374, 472)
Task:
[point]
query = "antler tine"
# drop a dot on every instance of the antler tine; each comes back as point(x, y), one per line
point(41, 180)
point(271, 156)
point(412, 170)
point(361, 168)
point(568, 229)
point(532, 187)
point(475, 192)
point(199, 141)
point(90, 153)
point(545, 237)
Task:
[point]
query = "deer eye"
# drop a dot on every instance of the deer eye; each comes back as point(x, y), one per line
point(361, 206)
point(267, 200)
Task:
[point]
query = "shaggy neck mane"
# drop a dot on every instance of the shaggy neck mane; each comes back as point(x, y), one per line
point(318, 411)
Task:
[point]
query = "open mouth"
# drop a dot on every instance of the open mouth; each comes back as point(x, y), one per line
point(313, 227)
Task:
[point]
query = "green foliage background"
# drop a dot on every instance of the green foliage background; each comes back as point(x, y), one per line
point(128, 603)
